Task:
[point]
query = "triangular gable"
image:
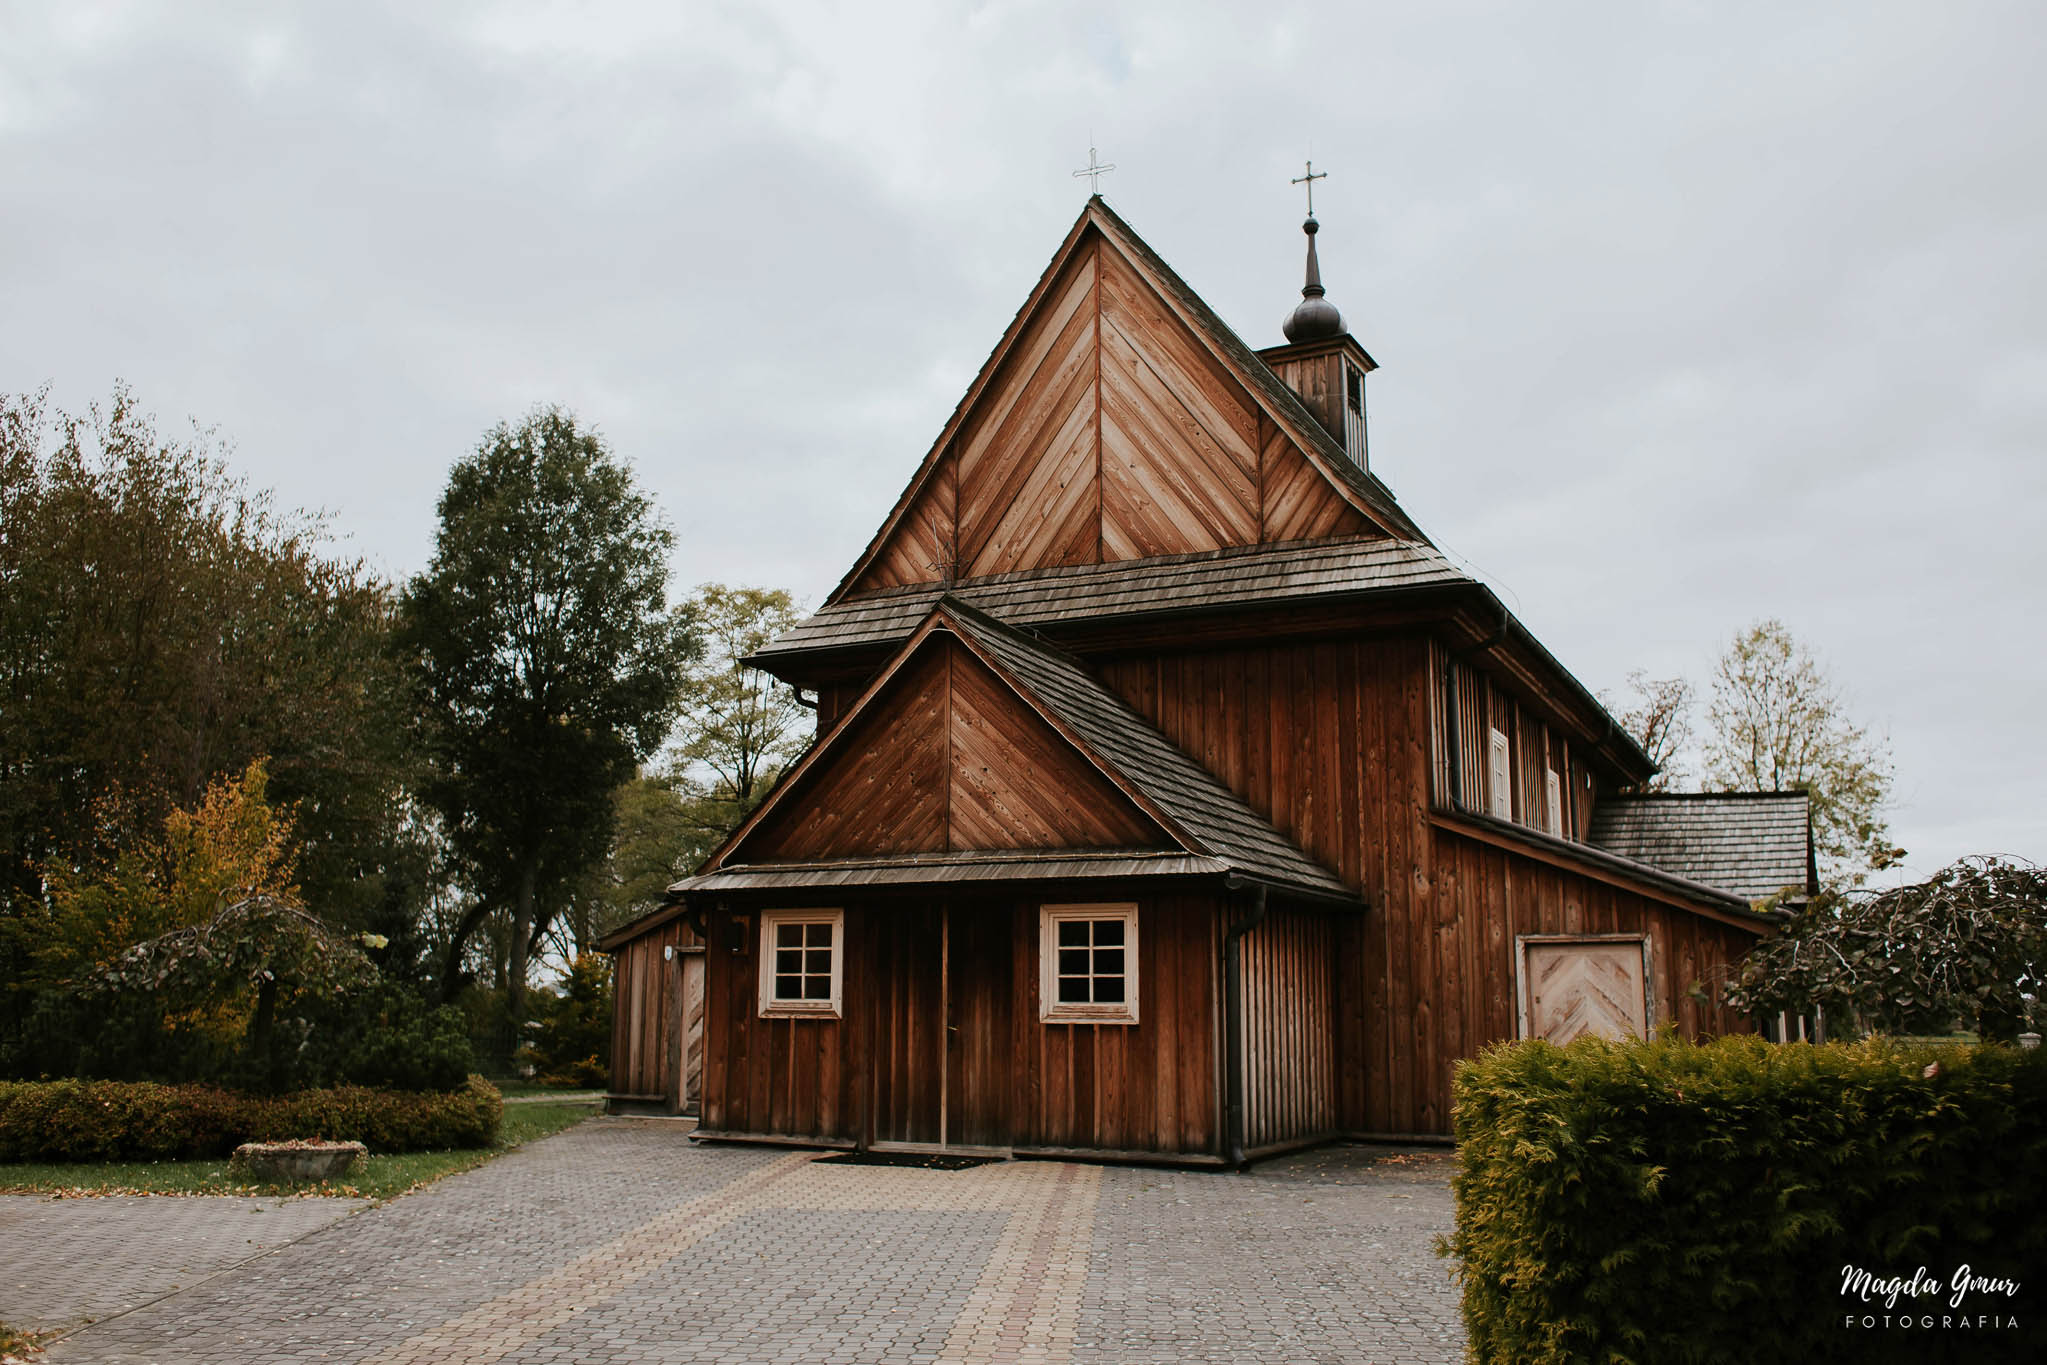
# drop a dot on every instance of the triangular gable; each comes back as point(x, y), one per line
point(942, 756)
point(977, 738)
point(1117, 419)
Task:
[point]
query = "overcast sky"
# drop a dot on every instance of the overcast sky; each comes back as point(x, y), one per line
point(1689, 314)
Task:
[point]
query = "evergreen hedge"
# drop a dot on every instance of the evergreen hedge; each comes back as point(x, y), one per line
point(142, 1121)
point(1666, 1201)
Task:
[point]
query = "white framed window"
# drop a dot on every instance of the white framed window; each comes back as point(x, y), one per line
point(1553, 802)
point(802, 961)
point(1503, 776)
point(1087, 964)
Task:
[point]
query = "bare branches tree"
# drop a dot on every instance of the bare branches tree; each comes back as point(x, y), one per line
point(1660, 720)
point(1779, 723)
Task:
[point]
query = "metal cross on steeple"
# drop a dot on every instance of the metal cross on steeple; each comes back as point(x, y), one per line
point(1094, 172)
point(1309, 180)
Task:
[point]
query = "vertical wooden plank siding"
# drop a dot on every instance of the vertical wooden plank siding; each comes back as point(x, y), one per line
point(1008, 1078)
point(1460, 773)
point(646, 1026)
point(1345, 754)
point(1289, 1026)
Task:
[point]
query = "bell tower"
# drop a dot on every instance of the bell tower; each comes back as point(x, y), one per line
point(1321, 361)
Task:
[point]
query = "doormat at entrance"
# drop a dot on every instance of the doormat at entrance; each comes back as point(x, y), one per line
point(927, 1161)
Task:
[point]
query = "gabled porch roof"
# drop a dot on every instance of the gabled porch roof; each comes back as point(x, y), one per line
point(1206, 829)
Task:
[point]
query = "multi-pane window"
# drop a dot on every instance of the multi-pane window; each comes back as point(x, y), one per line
point(1088, 964)
point(801, 956)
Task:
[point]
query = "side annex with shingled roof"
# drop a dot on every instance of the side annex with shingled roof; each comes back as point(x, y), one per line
point(1174, 798)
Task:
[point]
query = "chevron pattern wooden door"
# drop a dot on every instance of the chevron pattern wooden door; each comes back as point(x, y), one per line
point(1578, 988)
point(692, 1033)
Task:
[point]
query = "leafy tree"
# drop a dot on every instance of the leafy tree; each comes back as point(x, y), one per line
point(570, 1040)
point(738, 731)
point(1780, 724)
point(1658, 716)
point(740, 727)
point(161, 625)
point(234, 844)
point(229, 972)
point(547, 665)
point(658, 838)
point(1967, 945)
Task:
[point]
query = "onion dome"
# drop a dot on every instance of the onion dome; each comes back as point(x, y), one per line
point(1314, 318)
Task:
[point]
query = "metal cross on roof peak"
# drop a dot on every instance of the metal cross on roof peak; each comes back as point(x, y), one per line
point(1094, 172)
point(1309, 180)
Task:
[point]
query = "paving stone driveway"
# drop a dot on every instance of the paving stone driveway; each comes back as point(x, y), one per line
point(620, 1241)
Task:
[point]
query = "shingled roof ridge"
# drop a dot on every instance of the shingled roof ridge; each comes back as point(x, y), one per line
point(1201, 809)
point(1795, 794)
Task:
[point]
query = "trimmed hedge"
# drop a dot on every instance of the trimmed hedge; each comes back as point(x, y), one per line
point(1668, 1201)
point(140, 1121)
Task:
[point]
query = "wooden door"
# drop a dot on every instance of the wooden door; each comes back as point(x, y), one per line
point(1571, 987)
point(693, 1033)
point(906, 1016)
point(980, 1051)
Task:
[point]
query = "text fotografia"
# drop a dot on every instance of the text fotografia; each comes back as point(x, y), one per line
point(1955, 1292)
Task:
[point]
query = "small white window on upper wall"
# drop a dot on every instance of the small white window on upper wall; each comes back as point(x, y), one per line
point(1553, 802)
point(1087, 964)
point(1503, 777)
point(802, 962)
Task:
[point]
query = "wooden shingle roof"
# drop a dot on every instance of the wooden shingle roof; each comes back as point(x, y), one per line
point(1215, 831)
point(1238, 576)
point(1752, 844)
point(1215, 820)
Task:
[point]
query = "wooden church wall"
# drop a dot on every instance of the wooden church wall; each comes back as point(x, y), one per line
point(1153, 1086)
point(1461, 748)
point(1108, 431)
point(940, 1035)
point(1332, 742)
point(1290, 1028)
point(1329, 741)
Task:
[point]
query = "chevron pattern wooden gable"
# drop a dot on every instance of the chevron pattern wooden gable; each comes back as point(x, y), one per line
point(946, 759)
point(1104, 429)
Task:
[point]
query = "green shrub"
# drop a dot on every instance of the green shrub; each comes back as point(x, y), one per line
point(569, 1040)
point(1673, 1202)
point(388, 1036)
point(141, 1121)
point(384, 1034)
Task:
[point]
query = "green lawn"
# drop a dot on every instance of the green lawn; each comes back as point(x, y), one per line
point(381, 1177)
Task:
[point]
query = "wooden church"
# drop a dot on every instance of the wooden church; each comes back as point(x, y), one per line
point(1174, 798)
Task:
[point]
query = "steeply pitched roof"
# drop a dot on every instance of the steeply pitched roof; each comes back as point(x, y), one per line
point(1274, 390)
point(1097, 222)
point(1212, 825)
point(1237, 576)
point(1750, 844)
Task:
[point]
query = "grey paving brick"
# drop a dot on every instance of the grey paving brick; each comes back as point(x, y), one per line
point(620, 1243)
